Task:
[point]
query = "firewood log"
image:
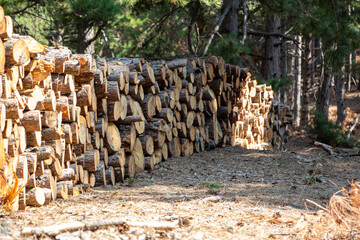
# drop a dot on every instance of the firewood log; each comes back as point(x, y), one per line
point(118, 159)
point(130, 166)
point(112, 139)
point(35, 197)
point(16, 52)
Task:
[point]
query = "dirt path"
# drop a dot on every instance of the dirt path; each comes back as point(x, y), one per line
point(227, 193)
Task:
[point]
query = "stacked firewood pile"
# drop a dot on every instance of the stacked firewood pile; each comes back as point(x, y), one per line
point(278, 125)
point(70, 121)
point(259, 122)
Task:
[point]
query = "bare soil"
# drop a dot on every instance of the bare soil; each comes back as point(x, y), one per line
point(227, 193)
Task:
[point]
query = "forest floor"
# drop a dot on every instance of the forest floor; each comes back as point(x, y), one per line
point(226, 193)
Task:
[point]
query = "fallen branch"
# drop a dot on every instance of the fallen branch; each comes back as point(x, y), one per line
point(86, 224)
point(324, 146)
point(353, 154)
point(316, 205)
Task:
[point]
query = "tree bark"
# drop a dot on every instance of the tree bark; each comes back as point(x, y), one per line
point(323, 100)
point(348, 72)
point(271, 65)
point(244, 5)
point(305, 108)
point(230, 23)
point(312, 63)
point(340, 97)
point(297, 84)
point(284, 68)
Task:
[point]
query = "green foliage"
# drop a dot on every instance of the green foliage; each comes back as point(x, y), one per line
point(74, 20)
point(228, 46)
point(68, 22)
point(310, 180)
point(130, 181)
point(210, 184)
point(29, 18)
point(276, 84)
point(329, 132)
point(212, 187)
point(147, 28)
point(160, 28)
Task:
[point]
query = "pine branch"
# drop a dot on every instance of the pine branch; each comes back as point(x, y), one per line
point(270, 34)
point(151, 26)
point(97, 34)
point(25, 8)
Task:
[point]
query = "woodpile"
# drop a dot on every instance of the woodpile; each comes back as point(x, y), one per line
point(70, 121)
point(259, 122)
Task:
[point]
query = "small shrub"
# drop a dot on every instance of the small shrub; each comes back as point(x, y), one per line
point(209, 184)
point(310, 180)
point(130, 181)
point(330, 133)
point(213, 187)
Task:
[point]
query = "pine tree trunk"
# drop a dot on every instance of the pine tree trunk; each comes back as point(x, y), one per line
point(348, 73)
point(323, 100)
point(284, 68)
point(306, 83)
point(271, 65)
point(91, 47)
point(353, 61)
point(230, 23)
point(312, 62)
point(340, 97)
point(297, 84)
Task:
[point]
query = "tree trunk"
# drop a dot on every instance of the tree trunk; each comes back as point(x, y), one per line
point(84, 35)
point(354, 75)
point(312, 63)
point(284, 68)
point(323, 100)
point(230, 23)
point(271, 65)
point(297, 84)
point(306, 83)
point(245, 8)
point(340, 97)
point(348, 73)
